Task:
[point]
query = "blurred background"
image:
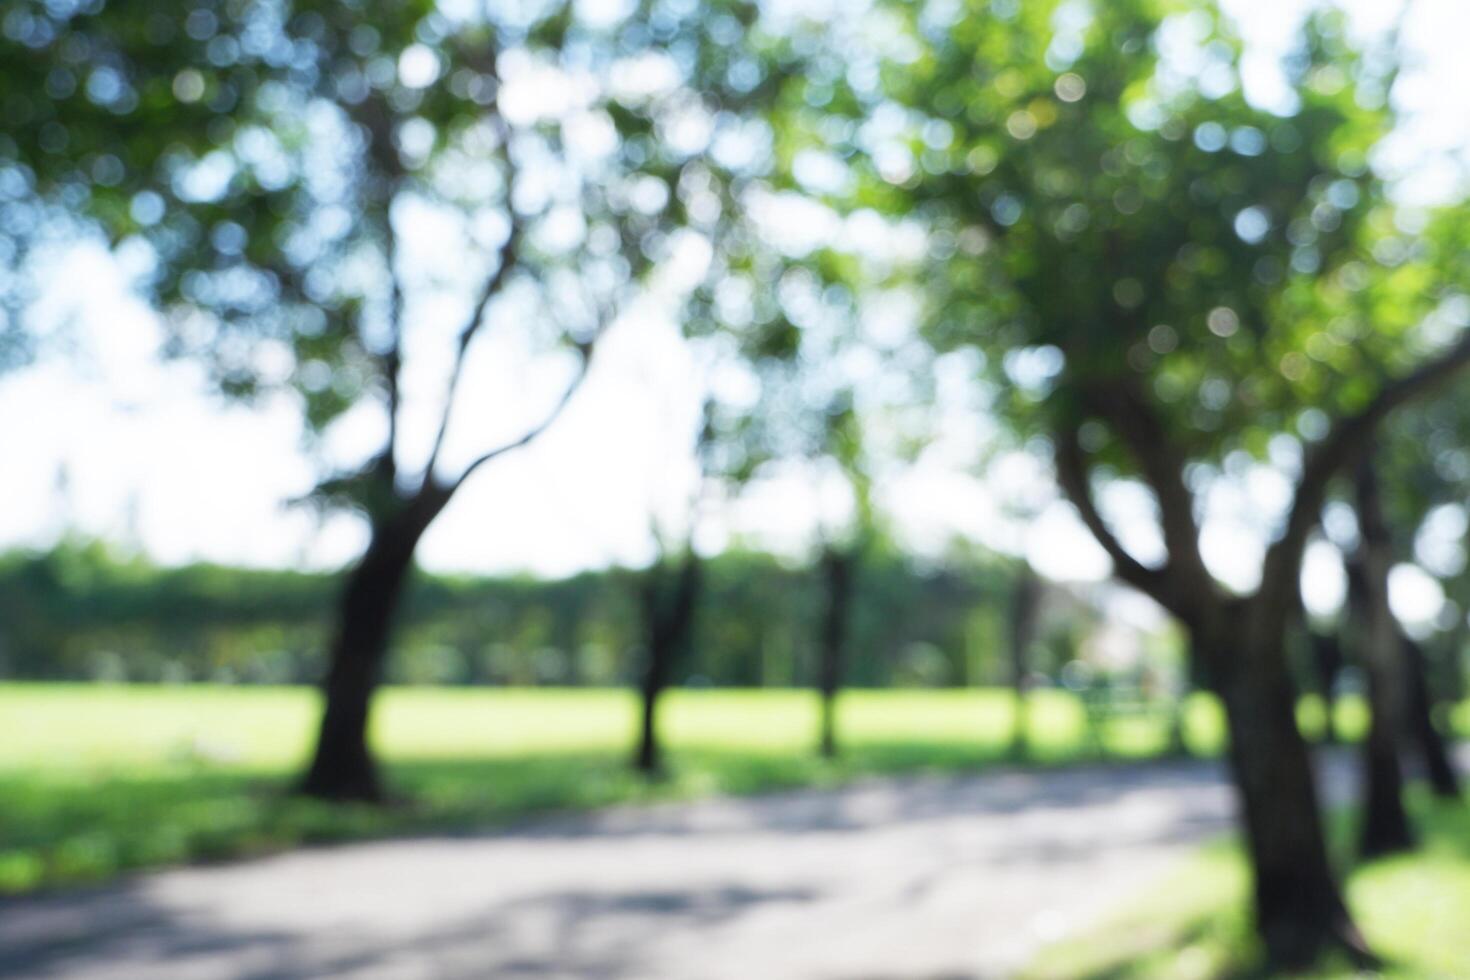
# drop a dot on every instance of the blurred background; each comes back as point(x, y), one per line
point(1035, 423)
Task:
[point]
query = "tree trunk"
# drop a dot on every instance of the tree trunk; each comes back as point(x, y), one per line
point(1024, 601)
point(649, 758)
point(1241, 644)
point(1327, 664)
point(1299, 908)
point(1178, 745)
point(1430, 740)
point(668, 615)
point(1385, 828)
point(343, 767)
point(837, 574)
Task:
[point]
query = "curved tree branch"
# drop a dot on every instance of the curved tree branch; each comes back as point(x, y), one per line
point(1162, 466)
point(1074, 477)
point(392, 358)
point(530, 434)
point(1344, 442)
point(387, 175)
point(507, 258)
point(507, 255)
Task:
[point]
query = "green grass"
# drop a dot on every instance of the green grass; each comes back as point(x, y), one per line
point(1414, 910)
point(101, 729)
point(96, 780)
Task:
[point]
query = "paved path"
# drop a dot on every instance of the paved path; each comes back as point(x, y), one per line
point(923, 877)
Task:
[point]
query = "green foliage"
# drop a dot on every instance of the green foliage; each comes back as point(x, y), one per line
point(1097, 212)
point(1424, 464)
point(80, 612)
point(265, 160)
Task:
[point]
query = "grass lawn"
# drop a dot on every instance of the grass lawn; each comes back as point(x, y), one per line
point(1414, 910)
point(96, 780)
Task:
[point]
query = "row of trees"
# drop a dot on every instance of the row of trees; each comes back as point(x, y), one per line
point(80, 612)
point(1157, 281)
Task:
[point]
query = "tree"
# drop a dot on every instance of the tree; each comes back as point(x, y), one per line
point(840, 561)
point(812, 420)
point(1381, 650)
point(817, 422)
point(1423, 484)
point(1025, 602)
point(281, 165)
point(1168, 283)
point(1327, 664)
point(668, 594)
point(1423, 729)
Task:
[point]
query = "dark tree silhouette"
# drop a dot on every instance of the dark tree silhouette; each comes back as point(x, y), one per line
point(1327, 664)
point(668, 596)
point(1385, 827)
point(1241, 642)
point(838, 566)
point(342, 766)
point(1024, 606)
point(1423, 730)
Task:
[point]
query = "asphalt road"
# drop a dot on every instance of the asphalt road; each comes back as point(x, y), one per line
point(926, 878)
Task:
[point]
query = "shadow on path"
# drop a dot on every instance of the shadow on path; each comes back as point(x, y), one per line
point(915, 877)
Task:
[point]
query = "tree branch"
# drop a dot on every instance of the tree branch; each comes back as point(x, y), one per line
point(1346, 440)
point(1073, 475)
point(1162, 468)
point(381, 188)
point(530, 434)
point(508, 256)
point(392, 359)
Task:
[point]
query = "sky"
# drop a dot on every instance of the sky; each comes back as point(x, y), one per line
point(110, 441)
